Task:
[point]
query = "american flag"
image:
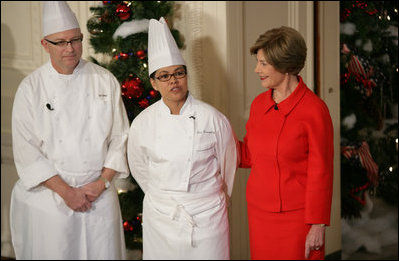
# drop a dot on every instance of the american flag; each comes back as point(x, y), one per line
point(363, 72)
point(366, 160)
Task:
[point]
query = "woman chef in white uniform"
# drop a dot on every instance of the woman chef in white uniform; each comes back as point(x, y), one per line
point(183, 154)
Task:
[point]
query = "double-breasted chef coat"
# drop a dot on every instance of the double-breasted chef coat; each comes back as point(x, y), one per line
point(70, 125)
point(185, 164)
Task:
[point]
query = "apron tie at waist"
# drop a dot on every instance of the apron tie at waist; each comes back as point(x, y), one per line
point(180, 211)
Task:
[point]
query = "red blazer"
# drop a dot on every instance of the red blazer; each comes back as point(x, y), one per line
point(290, 151)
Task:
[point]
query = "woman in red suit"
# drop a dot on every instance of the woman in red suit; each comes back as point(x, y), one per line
point(289, 148)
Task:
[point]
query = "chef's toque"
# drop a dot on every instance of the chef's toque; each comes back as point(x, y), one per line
point(162, 48)
point(58, 17)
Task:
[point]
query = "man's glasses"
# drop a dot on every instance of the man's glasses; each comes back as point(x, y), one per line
point(63, 44)
point(164, 77)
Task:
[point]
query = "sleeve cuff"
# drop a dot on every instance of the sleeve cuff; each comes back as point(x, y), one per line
point(36, 173)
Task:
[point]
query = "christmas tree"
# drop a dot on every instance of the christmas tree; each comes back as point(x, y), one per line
point(369, 103)
point(119, 32)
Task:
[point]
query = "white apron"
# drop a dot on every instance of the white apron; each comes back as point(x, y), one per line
point(185, 225)
point(185, 164)
point(73, 126)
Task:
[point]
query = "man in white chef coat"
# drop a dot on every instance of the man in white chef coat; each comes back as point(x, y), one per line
point(69, 129)
point(183, 154)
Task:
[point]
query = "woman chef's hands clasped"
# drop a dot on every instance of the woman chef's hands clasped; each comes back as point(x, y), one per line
point(314, 239)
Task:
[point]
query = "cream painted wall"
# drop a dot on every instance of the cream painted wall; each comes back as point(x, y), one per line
point(330, 93)
point(216, 53)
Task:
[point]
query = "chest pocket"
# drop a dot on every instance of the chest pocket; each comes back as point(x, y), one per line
point(101, 113)
point(205, 144)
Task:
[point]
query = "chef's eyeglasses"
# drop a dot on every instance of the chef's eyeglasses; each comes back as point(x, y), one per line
point(63, 44)
point(164, 77)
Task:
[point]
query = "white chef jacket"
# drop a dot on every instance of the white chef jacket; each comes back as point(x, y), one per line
point(185, 164)
point(70, 125)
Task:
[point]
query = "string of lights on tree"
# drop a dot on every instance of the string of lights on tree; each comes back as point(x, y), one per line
point(369, 103)
point(119, 31)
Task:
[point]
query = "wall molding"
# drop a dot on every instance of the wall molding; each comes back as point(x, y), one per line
point(293, 14)
point(235, 60)
point(31, 59)
point(237, 114)
point(188, 19)
point(305, 27)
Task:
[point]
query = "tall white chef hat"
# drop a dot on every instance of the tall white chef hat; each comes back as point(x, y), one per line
point(162, 48)
point(58, 17)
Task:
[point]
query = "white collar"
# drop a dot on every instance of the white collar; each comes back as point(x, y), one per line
point(76, 71)
point(187, 109)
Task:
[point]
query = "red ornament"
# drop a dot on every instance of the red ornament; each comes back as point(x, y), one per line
point(153, 93)
point(127, 226)
point(144, 103)
point(140, 54)
point(123, 56)
point(123, 11)
point(131, 88)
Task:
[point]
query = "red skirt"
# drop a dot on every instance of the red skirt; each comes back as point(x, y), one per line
point(279, 235)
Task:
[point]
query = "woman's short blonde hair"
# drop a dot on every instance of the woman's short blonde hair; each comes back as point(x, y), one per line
point(284, 48)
